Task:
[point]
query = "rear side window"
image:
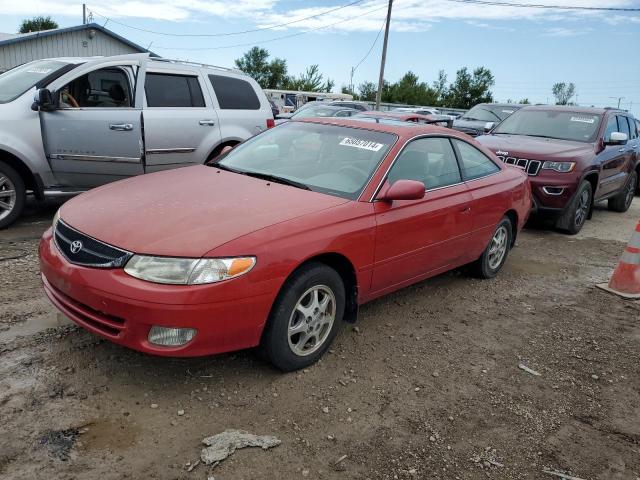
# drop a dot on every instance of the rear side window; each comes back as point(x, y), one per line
point(164, 90)
point(475, 164)
point(234, 93)
point(632, 128)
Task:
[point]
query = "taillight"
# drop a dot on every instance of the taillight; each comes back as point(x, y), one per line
point(271, 123)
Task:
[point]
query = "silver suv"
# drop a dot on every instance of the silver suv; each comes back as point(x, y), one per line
point(70, 124)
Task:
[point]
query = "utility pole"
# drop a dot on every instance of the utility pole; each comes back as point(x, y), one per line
point(84, 13)
point(619, 100)
point(351, 81)
point(384, 57)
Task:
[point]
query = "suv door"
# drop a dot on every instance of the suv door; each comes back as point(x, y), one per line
point(94, 135)
point(418, 238)
point(613, 158)
point(181, 126)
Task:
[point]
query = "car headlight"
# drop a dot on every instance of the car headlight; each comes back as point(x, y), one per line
point(56, 218)
point(187, 271)
point(562, 167)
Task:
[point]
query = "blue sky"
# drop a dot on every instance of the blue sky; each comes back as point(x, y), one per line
point(526, 49)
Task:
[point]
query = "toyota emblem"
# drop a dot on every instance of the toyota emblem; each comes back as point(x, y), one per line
point(76, 246)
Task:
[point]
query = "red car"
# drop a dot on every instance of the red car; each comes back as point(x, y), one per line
point(281, 238)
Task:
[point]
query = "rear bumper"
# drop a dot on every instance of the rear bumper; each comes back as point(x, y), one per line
point(109, 303)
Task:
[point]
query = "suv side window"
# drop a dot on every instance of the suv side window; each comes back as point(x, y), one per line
point(234, 93)
point(104, 88)
point(169, 90)
point(431, 161)
point(612, 126)
point(632, 128)
point(475, 164)
point(623, 125)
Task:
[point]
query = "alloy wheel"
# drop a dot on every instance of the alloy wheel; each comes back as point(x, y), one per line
point(630, 193)
point(311, 320)
point(498, 247)
point(7, 196)
point(582, 209)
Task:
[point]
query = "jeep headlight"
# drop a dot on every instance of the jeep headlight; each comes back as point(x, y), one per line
point(562, 167)
point(187, 271)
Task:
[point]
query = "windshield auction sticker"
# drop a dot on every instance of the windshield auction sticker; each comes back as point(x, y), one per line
point(363, 144)
point(583, 119)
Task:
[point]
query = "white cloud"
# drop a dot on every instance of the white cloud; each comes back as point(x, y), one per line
point(408, 15)
point(565, 32)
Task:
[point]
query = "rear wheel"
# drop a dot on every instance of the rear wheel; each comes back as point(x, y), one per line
point(495, 255)
point(305, 318)
point(576, 214)
point(12, 195)
point(622, 201)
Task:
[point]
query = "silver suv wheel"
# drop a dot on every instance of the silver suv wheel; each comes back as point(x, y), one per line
point(7, 196)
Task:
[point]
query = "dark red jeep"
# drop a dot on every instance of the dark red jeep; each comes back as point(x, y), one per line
point(574, 157)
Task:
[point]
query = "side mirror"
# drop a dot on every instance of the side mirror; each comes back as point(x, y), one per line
point(403, 190)
point(617, 138)
point(489, 126)
point(43, 100)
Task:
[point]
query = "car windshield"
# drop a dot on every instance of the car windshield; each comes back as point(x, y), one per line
point(488, 113)
point(579, 127)
point(330, 159)
point(315, 112)
point(20, 79)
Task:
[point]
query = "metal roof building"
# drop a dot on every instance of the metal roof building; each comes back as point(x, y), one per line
point(80, 41)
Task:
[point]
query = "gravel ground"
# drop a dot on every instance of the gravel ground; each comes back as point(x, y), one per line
point(427, 385)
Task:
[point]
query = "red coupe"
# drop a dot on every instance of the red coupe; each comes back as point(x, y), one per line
point(280, 239)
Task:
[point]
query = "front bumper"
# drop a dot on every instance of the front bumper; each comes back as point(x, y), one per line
point(228, 316)
point(551, 204)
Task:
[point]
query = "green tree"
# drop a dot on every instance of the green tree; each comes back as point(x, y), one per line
point(524, 101)
point(348, 91)
point(563, 92)
point(368, 91)
point(268, 74)
point(409, 90)
point(311, 81)
point(440, 88)
point(37, 24)
point(470, 89)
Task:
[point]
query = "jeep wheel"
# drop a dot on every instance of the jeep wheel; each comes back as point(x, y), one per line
point(622, 201)
point(12, 195)
point(576, 214)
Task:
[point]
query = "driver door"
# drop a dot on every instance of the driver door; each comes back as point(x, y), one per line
point(94, 136)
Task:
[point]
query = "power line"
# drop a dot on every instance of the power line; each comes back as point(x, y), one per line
point(553, 7)
point(248, 44)
point(372, 46)
point(167, 34)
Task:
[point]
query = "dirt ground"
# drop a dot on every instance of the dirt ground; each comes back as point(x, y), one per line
point(427, 386)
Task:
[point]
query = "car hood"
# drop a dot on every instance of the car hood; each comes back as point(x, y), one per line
point(535, 147)
point(187, 212)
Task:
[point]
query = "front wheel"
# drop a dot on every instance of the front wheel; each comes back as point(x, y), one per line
point(495, 255)
point(576, 214)
point(12, 195)
point(305, 318)
point(622, 201)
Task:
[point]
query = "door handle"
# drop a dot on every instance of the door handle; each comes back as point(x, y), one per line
point(621, 150)
point(466, 209)
point(123, 127)
point(207, 122)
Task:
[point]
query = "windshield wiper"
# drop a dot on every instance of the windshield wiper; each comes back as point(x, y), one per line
point(224, 167)
point(275, 178)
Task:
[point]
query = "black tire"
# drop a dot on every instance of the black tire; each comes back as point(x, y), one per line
point(10, 180)
point(622, 201)
point(486, 266)
point(276, 340)
point(578, 211)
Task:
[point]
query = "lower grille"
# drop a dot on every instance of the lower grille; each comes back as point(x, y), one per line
point(532, 167)
point(105, 324)
point(84, 250)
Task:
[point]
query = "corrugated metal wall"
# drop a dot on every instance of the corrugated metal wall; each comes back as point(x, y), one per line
point(70, 44)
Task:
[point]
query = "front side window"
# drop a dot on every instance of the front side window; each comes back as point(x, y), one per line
point(431, 161)
point(475, 164)
point(234, 93)
point(612, 126)
point(17, 81)
point(168, 91)
point(623, 126)
point(563, 125)
point(329, 159)
point(104, 88)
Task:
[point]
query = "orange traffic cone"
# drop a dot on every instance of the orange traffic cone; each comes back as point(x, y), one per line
point(626, 277)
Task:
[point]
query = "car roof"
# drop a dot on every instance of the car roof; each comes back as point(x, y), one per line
point(572, 108)
point(393, 115)
point(402, 129)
